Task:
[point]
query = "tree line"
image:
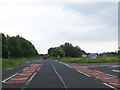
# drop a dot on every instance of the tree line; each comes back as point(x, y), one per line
point(66, 50)
point(16, 47)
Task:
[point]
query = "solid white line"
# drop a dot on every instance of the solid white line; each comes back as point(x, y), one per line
point(69, 67)
point(84, 73)
point(34, 74)
point(109, 86)
point(66, 64)
point(32, 77)
point(9, 77)
point(59, 76)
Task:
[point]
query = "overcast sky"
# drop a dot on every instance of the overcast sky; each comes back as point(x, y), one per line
point(91, 25)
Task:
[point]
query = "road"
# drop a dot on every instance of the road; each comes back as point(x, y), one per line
point(108, 68)
point(51, 74)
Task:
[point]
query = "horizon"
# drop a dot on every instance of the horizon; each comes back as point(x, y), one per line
point(58, 45)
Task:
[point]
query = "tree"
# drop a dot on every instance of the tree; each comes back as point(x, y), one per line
point(67, 50)
point(16, 46)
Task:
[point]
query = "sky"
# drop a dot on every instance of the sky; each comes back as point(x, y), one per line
point(93, 25)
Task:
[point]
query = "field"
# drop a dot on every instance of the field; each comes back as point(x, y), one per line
point(89, 60)
point(11, 62)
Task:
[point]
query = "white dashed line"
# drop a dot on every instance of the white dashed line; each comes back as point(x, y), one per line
point(59, 76)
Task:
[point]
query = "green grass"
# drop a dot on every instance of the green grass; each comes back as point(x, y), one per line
point(89, 60)
point(11, 62)
point(0, 63)
point(6, 63)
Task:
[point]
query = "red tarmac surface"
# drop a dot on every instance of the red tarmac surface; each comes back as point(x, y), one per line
point(24, 75)
point(114, 81)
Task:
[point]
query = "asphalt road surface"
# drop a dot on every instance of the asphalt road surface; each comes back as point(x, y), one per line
point(52, 74)
point(112, 69)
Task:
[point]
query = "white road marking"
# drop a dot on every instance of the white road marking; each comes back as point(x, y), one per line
point(109, 78)
point(33, 74)
point(59, 76)
point(9, 68)
point(38, 69)
point(66, 64)
point(103, 65)
point(116, 66)
point(9, 78)
point(19, 78)
point(105, 73)
point(31, 77)
point(99, 71)
point(110, 86)
point(118, 71)
point(112, 75)
point(25, 68)
point(115, 83)
point(25, 74)
point(84, 73)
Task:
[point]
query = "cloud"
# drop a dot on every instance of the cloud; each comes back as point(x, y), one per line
point(51, 24)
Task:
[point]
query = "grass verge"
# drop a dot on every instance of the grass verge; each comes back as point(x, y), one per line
point(90, 60)
point(11, 62)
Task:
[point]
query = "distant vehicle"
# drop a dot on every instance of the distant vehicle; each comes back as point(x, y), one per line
point(45, 57)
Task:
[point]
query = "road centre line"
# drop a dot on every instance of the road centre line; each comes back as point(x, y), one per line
point(59, 76)
point(9, 78)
